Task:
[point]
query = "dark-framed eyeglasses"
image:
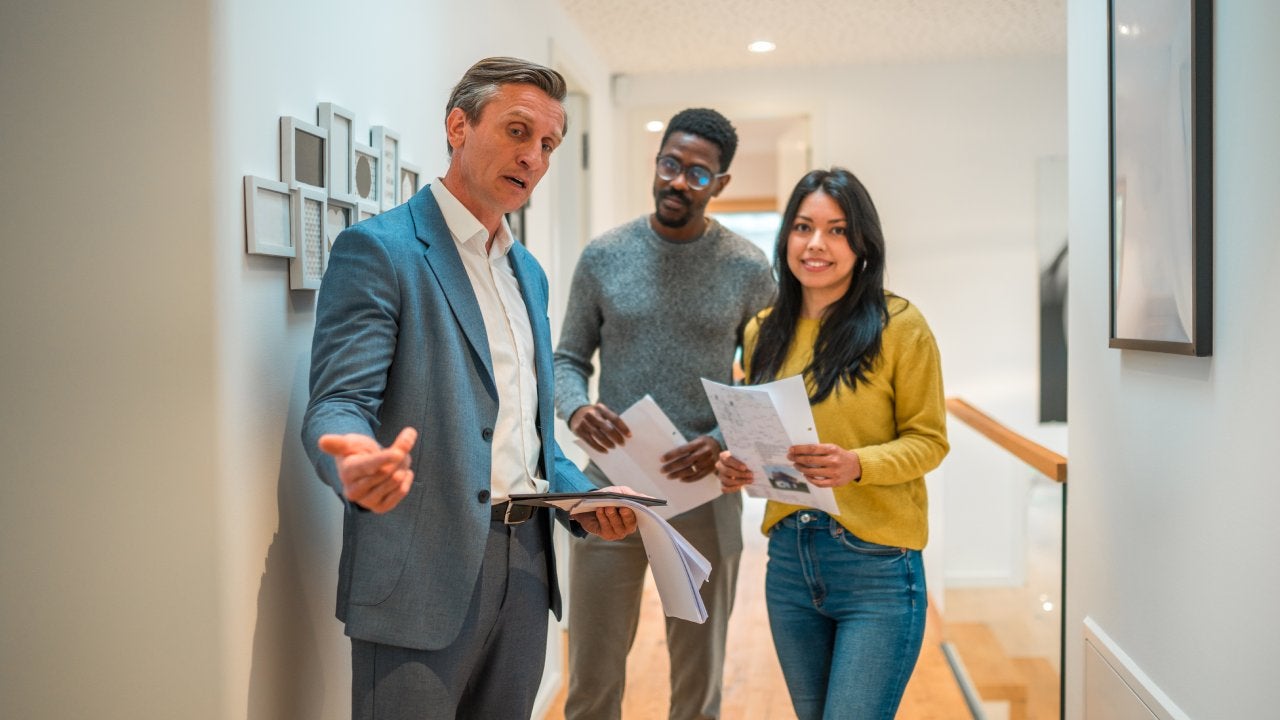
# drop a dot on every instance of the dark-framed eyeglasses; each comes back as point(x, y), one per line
point(696, 176)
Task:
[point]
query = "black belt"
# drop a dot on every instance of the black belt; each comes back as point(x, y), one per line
point(509, 514)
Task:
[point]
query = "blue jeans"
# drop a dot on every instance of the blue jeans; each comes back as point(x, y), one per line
point(847, 618)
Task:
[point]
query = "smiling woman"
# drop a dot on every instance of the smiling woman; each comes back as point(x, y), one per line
point(819, 254)
point(872, 371)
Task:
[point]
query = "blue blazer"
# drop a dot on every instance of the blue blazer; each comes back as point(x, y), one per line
point(399, 341)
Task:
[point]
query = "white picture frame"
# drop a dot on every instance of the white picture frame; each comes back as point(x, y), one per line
point(268, 228)
point(338, 216)
point(387, 143)
point(366, 210)
point(366, 178)
point(410, 181)
point(303, 153)
point(308, 213)
point(340, 125)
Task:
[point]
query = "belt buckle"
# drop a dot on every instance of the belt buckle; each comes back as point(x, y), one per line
point(517, 514)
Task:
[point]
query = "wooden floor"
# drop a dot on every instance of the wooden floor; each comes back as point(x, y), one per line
point(1012, 634)
point(753, 685)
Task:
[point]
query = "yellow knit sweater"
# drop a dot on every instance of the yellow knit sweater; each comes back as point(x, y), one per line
point(897, 423)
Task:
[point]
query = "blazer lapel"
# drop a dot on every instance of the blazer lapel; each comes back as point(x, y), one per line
point(442, 257)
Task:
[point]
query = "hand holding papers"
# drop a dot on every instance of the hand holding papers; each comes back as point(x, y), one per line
point(760, 423)
point(678, 569)
point(638, 463)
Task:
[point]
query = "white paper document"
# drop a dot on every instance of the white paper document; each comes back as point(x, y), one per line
point(760, 423)
point(638, 464)
point(679, 570)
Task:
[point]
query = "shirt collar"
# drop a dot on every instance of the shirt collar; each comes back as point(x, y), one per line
point(467, 231)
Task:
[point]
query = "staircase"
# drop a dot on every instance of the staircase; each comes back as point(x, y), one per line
point(1024, 688)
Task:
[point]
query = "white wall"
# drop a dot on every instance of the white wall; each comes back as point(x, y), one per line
point(109, 599)
point(1172, 533)
point(166, 549)
point(949, 153)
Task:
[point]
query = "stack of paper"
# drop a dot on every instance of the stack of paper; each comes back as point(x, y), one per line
point(679, 570)
point(638, 462)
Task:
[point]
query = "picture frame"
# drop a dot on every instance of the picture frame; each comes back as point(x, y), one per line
point(340, 125)
point(1161, 145)
point(303, 153)
point(268, 228)
point(366, 173)
point(365, 210)
point(387, 144)
point(338, 216)
point(308, 213)
point(410, 181)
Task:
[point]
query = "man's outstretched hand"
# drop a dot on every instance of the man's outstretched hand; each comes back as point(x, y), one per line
point(373, 477)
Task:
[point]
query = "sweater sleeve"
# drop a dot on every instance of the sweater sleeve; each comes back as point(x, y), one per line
point(920, 412)
point(579, 339)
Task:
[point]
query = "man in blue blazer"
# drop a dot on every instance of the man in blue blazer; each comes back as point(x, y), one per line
point(430, 317)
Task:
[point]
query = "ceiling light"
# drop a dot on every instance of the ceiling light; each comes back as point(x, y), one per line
point(762, 46)
point(654, 126)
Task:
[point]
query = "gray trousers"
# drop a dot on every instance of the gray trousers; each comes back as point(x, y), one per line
point(493, 669)
point(606, 580)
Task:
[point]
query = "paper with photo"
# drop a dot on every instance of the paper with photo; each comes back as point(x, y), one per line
point(638, 463)
point(760, 423)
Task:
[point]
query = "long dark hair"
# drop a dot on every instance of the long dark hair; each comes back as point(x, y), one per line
point(851, 328)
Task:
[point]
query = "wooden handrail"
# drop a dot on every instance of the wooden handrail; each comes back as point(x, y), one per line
point(1048, 462)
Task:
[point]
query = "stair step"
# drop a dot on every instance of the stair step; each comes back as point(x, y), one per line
point(1042, 687)
point(994, 674)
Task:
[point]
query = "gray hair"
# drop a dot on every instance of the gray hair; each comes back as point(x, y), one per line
point(482, 81)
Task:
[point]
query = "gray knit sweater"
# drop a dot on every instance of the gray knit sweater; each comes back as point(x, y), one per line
point(663, 315)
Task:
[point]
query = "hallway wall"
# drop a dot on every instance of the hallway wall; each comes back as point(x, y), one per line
point(109, 602)
point(1171, 533)
point(166, 549)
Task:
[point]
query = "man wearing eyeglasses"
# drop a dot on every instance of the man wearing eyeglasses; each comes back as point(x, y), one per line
point(664, 299)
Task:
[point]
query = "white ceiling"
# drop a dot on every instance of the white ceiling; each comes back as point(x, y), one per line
point(657, 36)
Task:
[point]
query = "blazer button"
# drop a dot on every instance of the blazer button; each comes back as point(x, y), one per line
point(483, 496)
point(487, 434)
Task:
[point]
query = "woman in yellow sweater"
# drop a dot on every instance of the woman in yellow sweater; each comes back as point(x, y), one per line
point(846, 593)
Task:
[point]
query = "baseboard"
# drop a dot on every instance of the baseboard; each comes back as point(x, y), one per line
point(1106, 667)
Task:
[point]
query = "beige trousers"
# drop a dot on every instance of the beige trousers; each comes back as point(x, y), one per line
point(605, 584)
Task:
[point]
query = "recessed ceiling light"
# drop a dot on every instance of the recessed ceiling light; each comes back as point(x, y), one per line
point(762, 46)
point(654, 125)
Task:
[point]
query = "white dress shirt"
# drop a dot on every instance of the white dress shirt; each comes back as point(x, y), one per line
point(515, 447)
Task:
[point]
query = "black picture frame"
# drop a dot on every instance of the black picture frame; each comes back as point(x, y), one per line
point(1161, 189)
